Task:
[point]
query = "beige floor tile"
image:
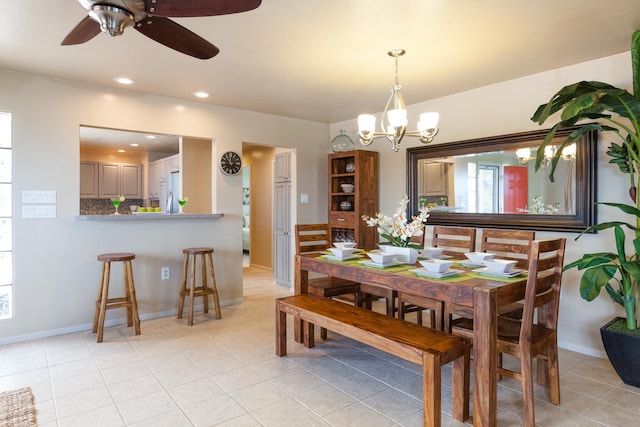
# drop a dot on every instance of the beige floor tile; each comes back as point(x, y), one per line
point(237, 379)
point(242, 421)
point(87, 400)
point(175, 418)
point(612, 416)
point(393, 404)
point(134, 387)
point(196, 391)
point(325, 400)
point(214, 411)
point(358, 415)
point(125, 372)
point(258, 395)
point(106, 416)
point(287, 413)
point(77, 383)
point(146, 406)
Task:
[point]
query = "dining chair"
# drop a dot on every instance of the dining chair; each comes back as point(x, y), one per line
point(316, 238)
point(505, 244)
point(455, 241)
point(532, 336)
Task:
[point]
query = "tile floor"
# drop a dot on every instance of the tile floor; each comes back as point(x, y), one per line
point(225, 372)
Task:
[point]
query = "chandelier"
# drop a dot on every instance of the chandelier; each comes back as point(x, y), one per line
point(393, 124)
point(568, 154)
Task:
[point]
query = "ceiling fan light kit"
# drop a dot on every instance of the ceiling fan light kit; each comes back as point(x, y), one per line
point(150, 17)
point(393, 124)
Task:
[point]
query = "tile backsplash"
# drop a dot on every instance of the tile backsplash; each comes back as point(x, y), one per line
point(104, 206)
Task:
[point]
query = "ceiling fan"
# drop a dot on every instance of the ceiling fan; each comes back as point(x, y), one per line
point(151, 18)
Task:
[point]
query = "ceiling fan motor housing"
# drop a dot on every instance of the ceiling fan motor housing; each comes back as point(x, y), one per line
point(112, 19)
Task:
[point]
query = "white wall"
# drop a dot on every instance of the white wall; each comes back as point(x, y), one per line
point(55, 267)
point(506, 108)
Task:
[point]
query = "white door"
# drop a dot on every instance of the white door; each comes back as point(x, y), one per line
point(282, 253)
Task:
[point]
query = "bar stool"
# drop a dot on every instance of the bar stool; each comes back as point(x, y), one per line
point(202, 290)
point(104, 303)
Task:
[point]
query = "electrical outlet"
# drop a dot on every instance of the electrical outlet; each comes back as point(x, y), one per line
point(165, 273)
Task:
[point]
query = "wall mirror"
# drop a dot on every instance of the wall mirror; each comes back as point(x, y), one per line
point(491, 183)
point(146, 168)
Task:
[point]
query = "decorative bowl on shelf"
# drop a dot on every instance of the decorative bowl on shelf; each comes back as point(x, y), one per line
point(347, 188)
point(350, 168)
point(346, 205)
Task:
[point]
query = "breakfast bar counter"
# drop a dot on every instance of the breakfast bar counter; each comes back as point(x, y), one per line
point(147, 216)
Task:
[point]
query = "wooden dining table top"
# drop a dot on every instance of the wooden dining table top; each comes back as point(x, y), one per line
point(456, 289)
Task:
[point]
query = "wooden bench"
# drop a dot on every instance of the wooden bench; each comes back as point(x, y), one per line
point(419, 344)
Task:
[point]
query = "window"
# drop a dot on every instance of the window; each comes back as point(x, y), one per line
point(488, 188)
point(6, 229)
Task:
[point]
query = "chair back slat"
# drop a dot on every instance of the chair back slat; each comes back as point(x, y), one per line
point(543, 285)
point(312, 238)
point(454, 240)
point(508, 244)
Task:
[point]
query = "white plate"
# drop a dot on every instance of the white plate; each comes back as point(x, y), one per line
point(438, 257)
point(385, 265)
point(424, 272)
point(486, 272)
point(470, 264)
point(347, 258)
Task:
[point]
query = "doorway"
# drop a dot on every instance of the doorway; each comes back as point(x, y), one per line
point(246, 216)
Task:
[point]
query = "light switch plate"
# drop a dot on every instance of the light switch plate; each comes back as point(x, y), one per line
point(304, 198)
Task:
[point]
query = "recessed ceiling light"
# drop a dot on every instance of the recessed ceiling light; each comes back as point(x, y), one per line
point(201, 94)
point(151, 136)
point(121, 151)
point(134, 145)
point(124, 80)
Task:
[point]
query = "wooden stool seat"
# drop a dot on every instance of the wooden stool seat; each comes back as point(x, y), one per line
point(207, 276)
point(104, 303)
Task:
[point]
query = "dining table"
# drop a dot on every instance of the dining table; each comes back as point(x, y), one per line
point(470, 288)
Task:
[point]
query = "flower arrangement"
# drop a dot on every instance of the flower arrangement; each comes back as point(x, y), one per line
point(398, 230)
point(538, 206)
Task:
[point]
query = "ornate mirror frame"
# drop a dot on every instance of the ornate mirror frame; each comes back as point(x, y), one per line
point(585, 189)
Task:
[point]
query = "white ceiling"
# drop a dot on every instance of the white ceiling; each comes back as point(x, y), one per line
point(326, 60)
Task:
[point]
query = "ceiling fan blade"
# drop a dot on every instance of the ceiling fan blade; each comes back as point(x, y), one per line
point(83, 32)
point(175, 36)
point(193, 8)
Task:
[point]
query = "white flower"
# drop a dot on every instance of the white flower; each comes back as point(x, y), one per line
point(397, 231)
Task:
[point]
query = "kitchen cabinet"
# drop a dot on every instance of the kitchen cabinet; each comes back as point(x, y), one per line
point(283, 167)
point(154, 180)
point(359, 168)
point(158, 172)
point(119, 179)
point(433, 178)
point(173, 164)
point(88, 180)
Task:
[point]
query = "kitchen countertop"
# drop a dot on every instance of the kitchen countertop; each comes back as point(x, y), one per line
point(147, 216)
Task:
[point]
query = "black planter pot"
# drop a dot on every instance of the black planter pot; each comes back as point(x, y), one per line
point(623, 351)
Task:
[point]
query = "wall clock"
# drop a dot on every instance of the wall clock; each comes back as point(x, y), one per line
point(230, 163)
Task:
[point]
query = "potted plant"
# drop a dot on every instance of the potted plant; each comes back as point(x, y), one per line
point(615, 110)
point(398, 231)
